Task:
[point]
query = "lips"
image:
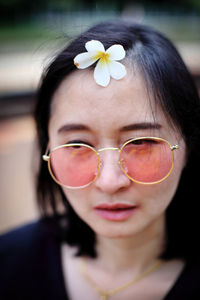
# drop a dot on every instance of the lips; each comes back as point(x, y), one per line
point(115, 212)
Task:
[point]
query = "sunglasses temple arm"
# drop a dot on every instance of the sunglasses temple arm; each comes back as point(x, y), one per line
point(174, 147)
point(45, 156)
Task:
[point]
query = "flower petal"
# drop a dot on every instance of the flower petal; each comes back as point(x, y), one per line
point(116, 52)
point(84, 60)
point(117, 70)
point(94, 46)
point(101, 74)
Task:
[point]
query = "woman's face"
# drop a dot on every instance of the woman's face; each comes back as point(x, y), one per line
point(108, 117)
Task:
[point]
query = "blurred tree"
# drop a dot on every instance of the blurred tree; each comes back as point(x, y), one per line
point(189, 5)
point(16, 10)
point(12, 11)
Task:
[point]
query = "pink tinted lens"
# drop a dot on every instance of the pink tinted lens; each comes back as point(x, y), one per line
point(147, 160)
point(74, 166)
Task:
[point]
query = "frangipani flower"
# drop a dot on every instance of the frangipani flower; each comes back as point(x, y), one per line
point(107, 66)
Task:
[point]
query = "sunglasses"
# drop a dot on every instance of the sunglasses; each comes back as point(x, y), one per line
point(145, 160)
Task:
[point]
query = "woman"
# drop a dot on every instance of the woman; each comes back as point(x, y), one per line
point(118, 125)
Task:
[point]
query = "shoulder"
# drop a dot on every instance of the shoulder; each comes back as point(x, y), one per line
point(187, 285)
point(28, 255)
point(26, 243)
point(191, 275)
point(27, 236)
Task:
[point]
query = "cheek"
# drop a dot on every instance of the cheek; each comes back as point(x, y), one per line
point(159, 197)
point(156, 198)
point(78, 200)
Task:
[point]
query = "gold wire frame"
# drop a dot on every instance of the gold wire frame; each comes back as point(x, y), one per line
point(172, 147)
point(46, 157)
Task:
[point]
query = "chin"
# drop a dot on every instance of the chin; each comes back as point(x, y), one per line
point(117, 231)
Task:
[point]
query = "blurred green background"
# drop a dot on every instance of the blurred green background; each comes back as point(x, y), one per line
point(30, 33)
point(23, 20)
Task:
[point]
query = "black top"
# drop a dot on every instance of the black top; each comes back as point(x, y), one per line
point(30, 267)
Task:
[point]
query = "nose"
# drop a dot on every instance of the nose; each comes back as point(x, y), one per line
point(111, 177)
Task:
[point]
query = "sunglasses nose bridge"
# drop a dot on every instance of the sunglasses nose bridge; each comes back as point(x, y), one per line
point(110, 160)
point(108, 149)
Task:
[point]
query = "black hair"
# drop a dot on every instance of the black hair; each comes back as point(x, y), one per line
point(173, 89)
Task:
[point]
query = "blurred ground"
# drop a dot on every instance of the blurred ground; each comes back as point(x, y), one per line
point(21, 71)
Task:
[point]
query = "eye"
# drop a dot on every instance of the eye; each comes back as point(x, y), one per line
point(79, 142)
point(143, 141)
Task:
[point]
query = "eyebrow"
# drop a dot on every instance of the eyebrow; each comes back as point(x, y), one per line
point(135, 126)
point(141, 126)
point(71, 127)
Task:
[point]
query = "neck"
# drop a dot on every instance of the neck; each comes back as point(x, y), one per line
point(139, 251)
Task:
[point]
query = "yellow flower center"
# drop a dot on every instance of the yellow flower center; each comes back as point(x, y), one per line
point(104, 57)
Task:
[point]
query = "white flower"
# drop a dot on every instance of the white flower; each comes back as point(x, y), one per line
point(107, 66)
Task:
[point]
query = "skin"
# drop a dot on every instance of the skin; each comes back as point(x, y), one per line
point(137, 241)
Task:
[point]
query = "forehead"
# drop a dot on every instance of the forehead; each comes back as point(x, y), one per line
point(80, 99)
